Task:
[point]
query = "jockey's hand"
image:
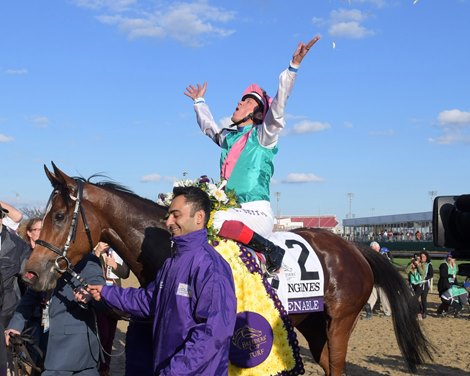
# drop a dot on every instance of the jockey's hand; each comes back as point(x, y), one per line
point(302, 50)
point(196, 92)
point(95, 291)
point(7, 335)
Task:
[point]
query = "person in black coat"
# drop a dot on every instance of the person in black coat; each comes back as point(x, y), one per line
point(73, 346)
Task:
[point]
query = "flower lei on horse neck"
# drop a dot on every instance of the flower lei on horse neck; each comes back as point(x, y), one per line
point(221, 199)
point(255, 298)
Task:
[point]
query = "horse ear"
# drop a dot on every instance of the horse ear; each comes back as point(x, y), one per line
point(63, 179)
point(52, 178)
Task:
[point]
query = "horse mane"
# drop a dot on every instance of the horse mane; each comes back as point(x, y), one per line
point(109, 185)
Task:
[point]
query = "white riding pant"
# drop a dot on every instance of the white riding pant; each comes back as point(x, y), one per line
point(257, 215)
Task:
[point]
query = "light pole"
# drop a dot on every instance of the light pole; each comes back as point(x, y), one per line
point(278, 210)
point(432, 195)
point(350, 197)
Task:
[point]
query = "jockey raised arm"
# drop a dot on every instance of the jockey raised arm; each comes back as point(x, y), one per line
point(248, 149)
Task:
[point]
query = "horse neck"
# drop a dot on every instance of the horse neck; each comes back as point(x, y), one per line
point(133, 226)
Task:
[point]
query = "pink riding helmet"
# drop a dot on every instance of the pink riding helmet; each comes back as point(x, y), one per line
point(259, 95)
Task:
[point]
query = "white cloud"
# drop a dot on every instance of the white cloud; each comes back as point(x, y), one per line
point(151, 178)
point(377, 3)
point(345, 15)
point(346, 23)
point(40, 121)
point(188, 23)
point(450, 138)
point(306, 126)
point(454, 117)
point(351, 29)
point(116, 5)
point(298, 178)
point(16, 72)
point(383, 133)
point(455, 126)
point(5, 138)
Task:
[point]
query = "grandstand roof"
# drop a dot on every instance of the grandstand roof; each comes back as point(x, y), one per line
point(389, 219)
point(325, 221)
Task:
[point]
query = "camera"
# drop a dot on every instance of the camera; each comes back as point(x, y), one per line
point(451, 223)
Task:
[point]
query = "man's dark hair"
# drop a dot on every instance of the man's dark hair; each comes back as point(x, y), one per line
point(198, 199)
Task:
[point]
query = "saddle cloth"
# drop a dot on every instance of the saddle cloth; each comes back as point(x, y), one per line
point(301, 282)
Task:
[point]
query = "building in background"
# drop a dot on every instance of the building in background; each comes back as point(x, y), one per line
point(328, 222)
point(399, 227)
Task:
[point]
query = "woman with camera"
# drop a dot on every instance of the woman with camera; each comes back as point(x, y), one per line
point(415, 271)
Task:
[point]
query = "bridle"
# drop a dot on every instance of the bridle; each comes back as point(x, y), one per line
point(62, 253)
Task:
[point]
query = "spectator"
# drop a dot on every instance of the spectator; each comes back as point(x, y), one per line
point(192, 300)
point(451, 294)
point(30, 231)
point(11, 217)
point(427, 275)
point(377, 294)
point(114, 269)
point(73, 347)
point(13, 253)
point(248, 149)
point(415, 271)
point(3, 350)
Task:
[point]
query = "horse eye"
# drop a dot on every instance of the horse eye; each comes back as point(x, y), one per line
point(59, 217)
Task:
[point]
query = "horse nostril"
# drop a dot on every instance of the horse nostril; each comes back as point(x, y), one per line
point(30, 278)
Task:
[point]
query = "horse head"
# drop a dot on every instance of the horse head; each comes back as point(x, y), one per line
point(64, 239)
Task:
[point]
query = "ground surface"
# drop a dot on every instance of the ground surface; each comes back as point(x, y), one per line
point(373, 349)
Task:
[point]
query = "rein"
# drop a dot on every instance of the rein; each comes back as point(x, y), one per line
point(62, 253)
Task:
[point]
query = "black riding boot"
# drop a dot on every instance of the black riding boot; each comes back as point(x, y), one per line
point(274, 254)
point(241, 233)
point(368, 310)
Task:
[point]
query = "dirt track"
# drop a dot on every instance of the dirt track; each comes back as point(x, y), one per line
point(373, 350)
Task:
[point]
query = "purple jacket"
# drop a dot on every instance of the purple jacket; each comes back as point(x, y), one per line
point(193, 305)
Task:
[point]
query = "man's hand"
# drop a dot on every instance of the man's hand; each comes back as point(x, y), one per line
point(7, 335)
point(196, 92)
point(95, 291)
point(302, 50)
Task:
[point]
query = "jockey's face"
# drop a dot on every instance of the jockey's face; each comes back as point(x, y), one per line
point(244, 108)
point(181, 220)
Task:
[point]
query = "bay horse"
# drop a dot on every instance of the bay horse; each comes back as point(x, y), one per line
point(81, 213)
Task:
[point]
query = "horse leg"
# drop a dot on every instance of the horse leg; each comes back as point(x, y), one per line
point(338, 333)
point(313, 328)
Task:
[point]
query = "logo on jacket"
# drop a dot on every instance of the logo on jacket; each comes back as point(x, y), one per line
point(184, 290)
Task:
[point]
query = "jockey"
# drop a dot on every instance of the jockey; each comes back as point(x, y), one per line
point(248, 149)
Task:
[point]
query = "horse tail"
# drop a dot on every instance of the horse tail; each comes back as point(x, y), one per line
point(413, 345)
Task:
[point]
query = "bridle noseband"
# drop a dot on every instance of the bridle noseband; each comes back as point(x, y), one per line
point(62, 253)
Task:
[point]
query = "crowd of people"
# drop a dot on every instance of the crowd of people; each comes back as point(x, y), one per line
point(454, 295)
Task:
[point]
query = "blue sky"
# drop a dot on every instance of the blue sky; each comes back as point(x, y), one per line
point(380, 109)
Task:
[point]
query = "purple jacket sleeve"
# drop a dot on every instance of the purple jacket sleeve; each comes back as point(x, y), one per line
point(206, 350)
point(135, 301)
